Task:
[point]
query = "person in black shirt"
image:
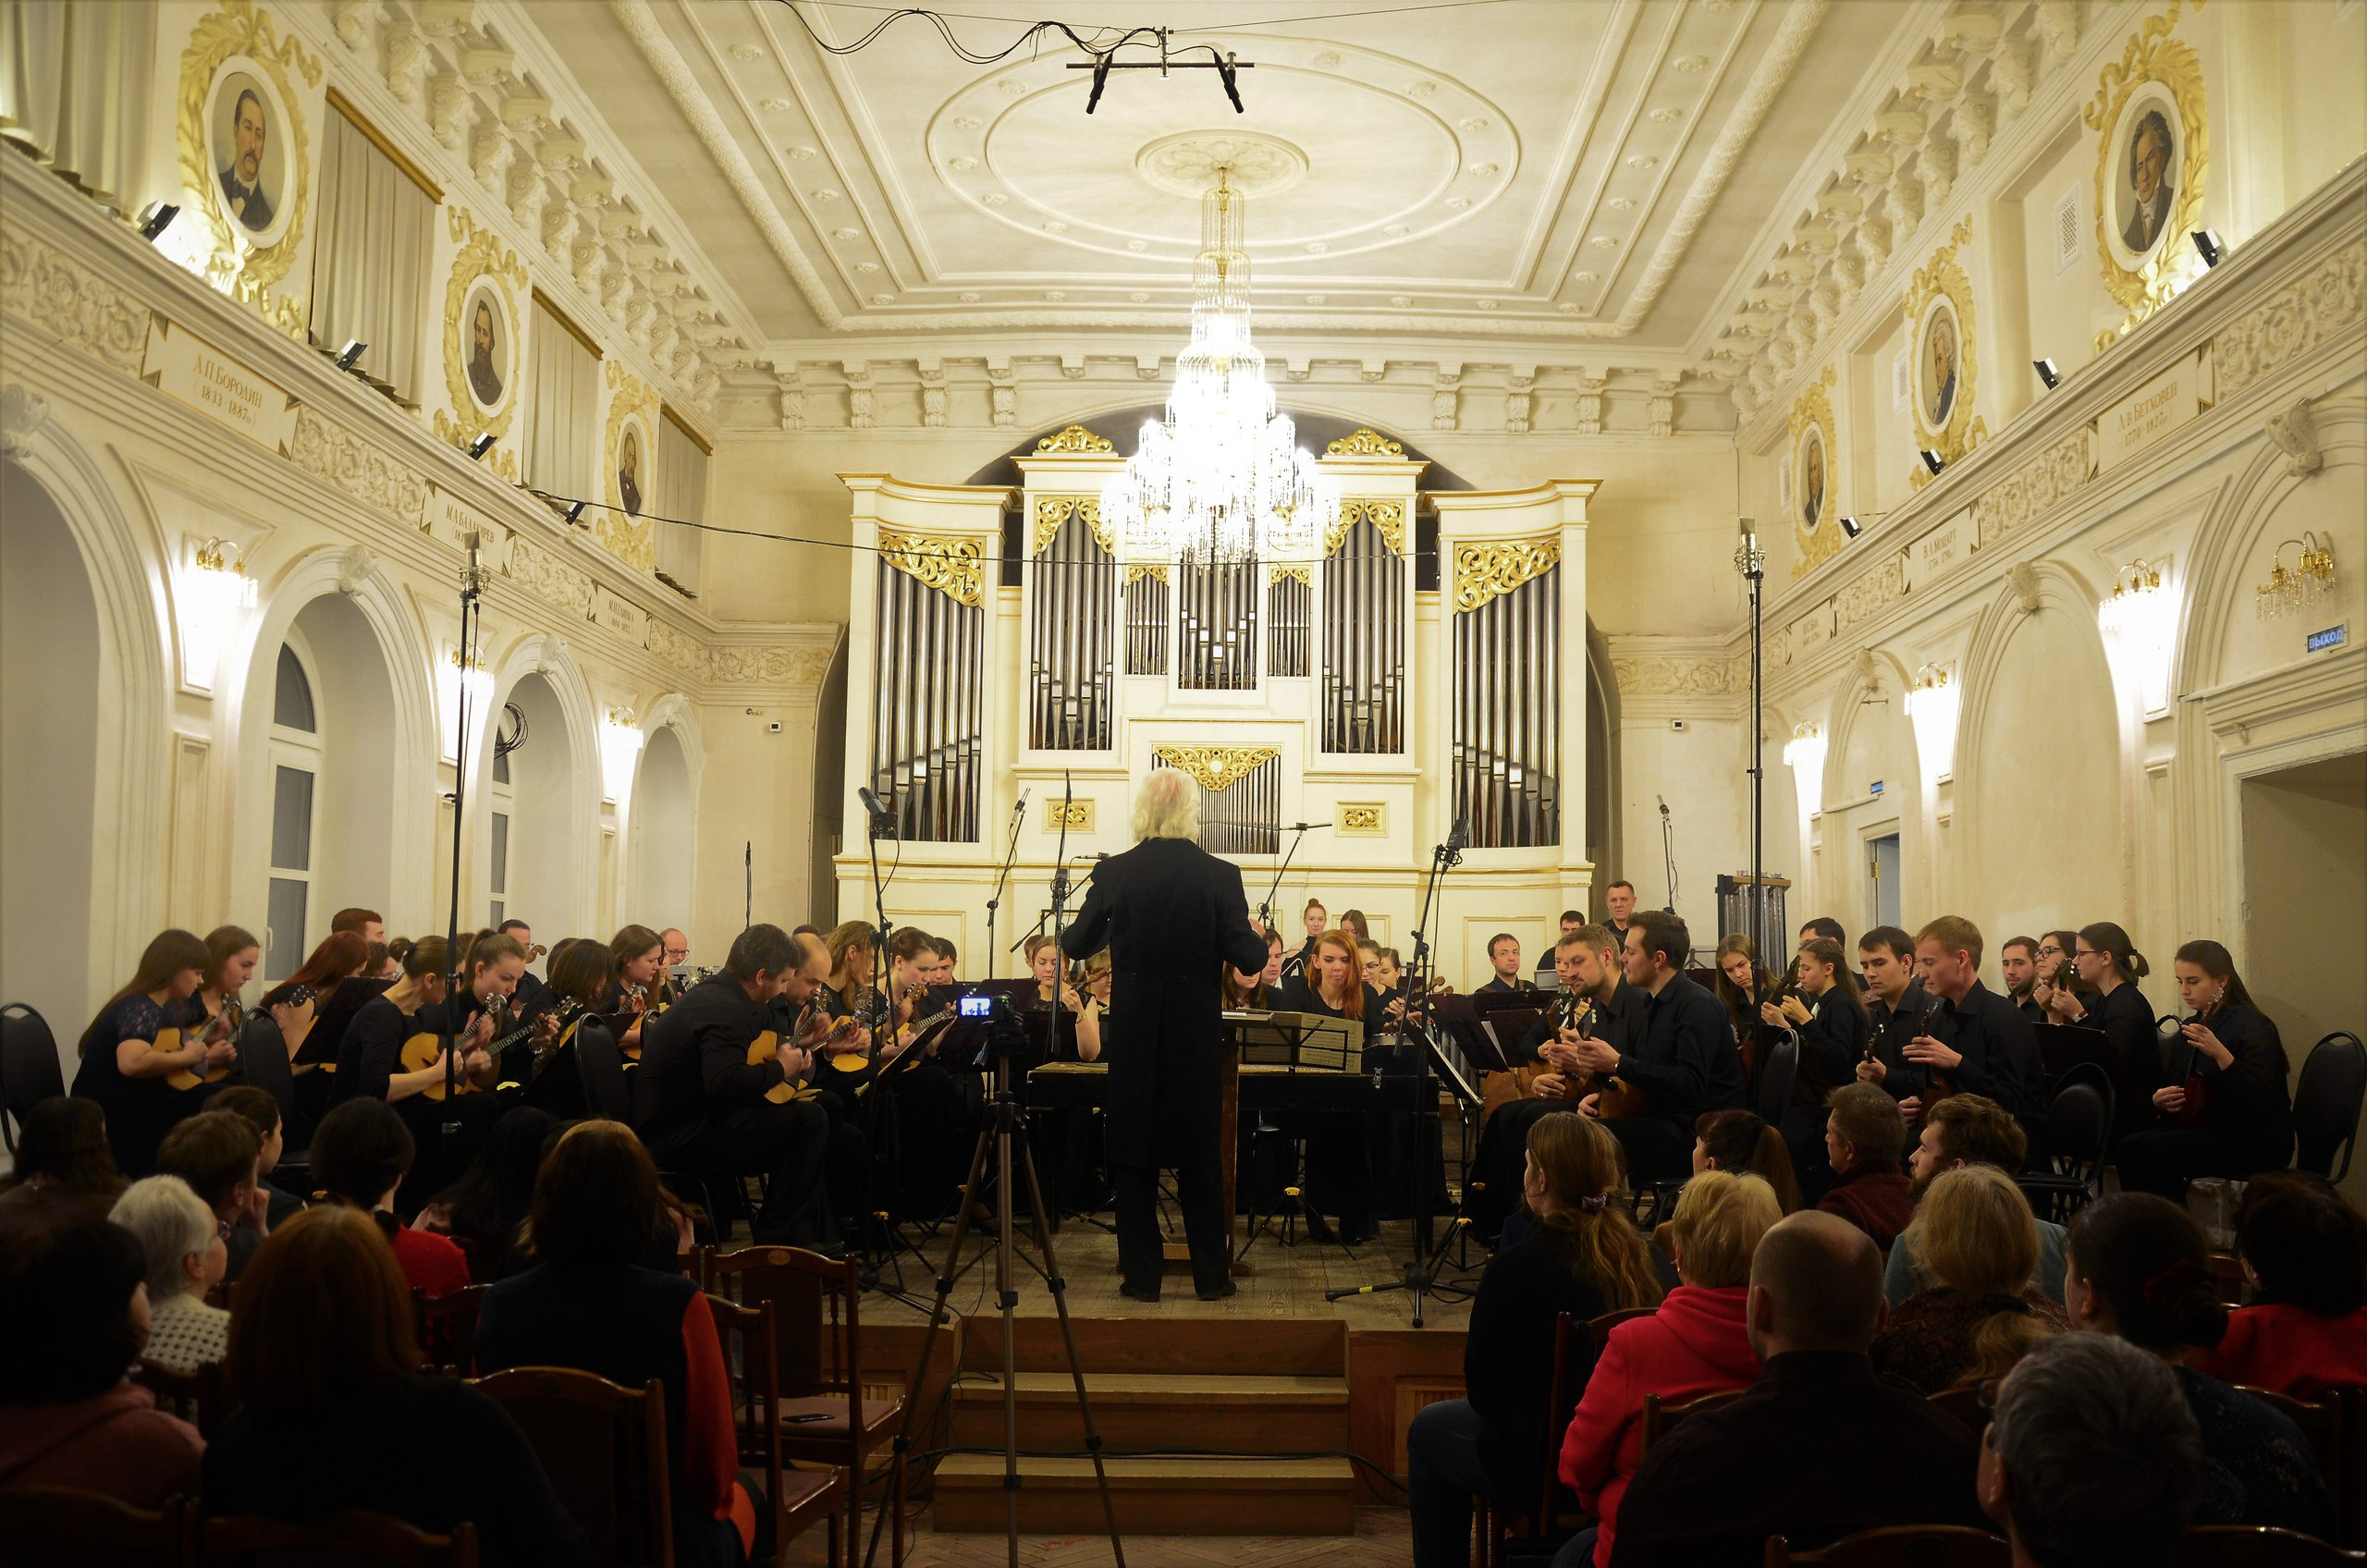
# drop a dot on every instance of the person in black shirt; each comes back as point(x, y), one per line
point(1978, 1043)
point(2228, 1110)
point(2018, 963)
point(1317, 920)
point(1586, 968)
point(1830, 1018)
point(1895, 1006)
point(2111, 968)
point(1619, 900)
point(1678, 1052)
point(1339, 1165)
point(1504, 957)
point(122, 1070)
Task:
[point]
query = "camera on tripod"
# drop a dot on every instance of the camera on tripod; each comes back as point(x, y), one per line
point(1006, 1034)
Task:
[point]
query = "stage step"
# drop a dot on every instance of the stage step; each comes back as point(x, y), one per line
point(1153, 1497)
point(1151, 1343)
point(1140, 1412)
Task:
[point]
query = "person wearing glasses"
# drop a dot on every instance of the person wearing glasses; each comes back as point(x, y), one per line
point(183, 1243)
point(2105, 959)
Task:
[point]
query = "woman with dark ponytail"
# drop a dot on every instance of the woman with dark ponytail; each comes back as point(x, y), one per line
point(2104, 958)
point(2226, 1109)
point(2136, 1268)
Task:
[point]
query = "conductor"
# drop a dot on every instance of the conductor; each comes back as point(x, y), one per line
point(1171, 914)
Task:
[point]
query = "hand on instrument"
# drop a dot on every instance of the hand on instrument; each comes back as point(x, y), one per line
point(294, 1023)
point(631, 1039)
point(1925, 1051)
point(1593, 1056)
point(433, 1072)
point(897, 1046)
point(855, 1041)
point(1560, 1054)
point(2044, 994)
point(1872, 1070)
point(1772, 1015)
point(476, 1063)
point(1796, 1009)
point(546, 1029)
point(2200, 1036)
point(481, 1032)
point(1911, 1107)
point(2065, 1005)
point(221, 1053)
point(818, 1028)
point(1549, 1086)
point(793, 1061)
point(1070, 999)
point(2171, 1100)
point(1591, 1107)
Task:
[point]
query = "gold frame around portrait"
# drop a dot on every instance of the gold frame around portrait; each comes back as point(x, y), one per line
point(481, 257)
point(1814, 411)
point(1942, 278)
point(2152, 59)
point(239, 32)
point(632, 540)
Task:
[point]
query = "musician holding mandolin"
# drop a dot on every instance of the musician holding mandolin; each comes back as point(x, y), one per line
point(1679, 1058)
point(1976, 1042)
point(636, 956)
point(2228, 1109)
point(122, 1066)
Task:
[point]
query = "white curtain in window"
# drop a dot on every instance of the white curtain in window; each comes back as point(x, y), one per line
point(370, 259)
point(73, 83)
point(681, 492)
point(563, 409)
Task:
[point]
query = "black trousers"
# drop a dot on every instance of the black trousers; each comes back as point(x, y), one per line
point(789, 1145)
point(1141, 1258)
point(1656, 1150)
point(2164, 1160)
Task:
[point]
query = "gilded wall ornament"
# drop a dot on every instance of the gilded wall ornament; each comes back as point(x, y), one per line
point(245, 153)
point(1291, 573)
point(950, 566)
point(1940, 326)
point(1075, 815)
point(2151, 157)
point(1075, 438)
point(1051, 511)
point(1365, 443)
point(1217, 767)
point(1363, 820)
point(483, 308)
point(1815, 444)
point(629, 470)
point(1483, 571)
point(1388, 517)
point(1137, 571)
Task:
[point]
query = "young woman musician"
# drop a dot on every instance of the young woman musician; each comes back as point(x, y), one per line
point(2111, 968)
point(2058, 969)
point(1339, 1166)
point(1744, 984)
point(1044, 962)
point(2231, 1113)
point(636, 961)
point(315, 1007)
point(233, 953)
point(1093, 984)
point(1830, 1016)
point(582, 974)
point(123, 1072)
point(423, 1002)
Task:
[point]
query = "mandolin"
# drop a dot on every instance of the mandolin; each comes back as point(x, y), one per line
point(422, 1050)
point(1938, 1083)
point(765, 1047)
point(1615, 1098)
point(872, 1017)
point(223, 1025)
point(2194, 1112)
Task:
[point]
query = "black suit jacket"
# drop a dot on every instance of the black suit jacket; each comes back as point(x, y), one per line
point(2000, 1053)
point(694, 1061)
point(1170, 914)
point(257, 217)
point(1679, 1048)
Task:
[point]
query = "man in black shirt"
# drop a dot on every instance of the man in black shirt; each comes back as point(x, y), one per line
point(1978, 1044)
point(1547, 978)
point(1586, 964)
point(1678, 1051)
point(1504, 957)
point(1620, 899)
point(2018, 961)
point(1896, 1004)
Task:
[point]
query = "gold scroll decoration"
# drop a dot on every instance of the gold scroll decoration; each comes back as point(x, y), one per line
point(1389, 517)
point(1363, 819)
point(1816, 535)
point(480, 255)
point(1137, 571)
point(1075, 815)
point(1053, 511)
point(1941, 291)
point(1217, 767)
point(239, 32)
point(1290, 573)
point(950, 566)
point(632, 540)
point(1075, 438)
point(1485, 571)
point(1362, 443)
point(2158, 70)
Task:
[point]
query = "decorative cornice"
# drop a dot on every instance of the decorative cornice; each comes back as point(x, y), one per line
point(1486, 569)
point(950, 566)
point(1075, 438)
point(1668, 676)
point(1365, 443)
point(1217, 767)
point(2293, 321)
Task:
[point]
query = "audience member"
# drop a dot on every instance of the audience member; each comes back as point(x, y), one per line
point(259, 1108)
point(333, 1413)
point(1695, 1343)
point(2091, 1459)
point(586, 1303)
point(1586, 1259)
point(74, 1316)
point(1816, 1448)
point(2138, 1270)
point(219, 1153)
point(483, 1210)
point(360, 1156)
point(1862, 1138)
point(182, 1241)
point(1968, 1129)
point(2305, 1251)
point(1975, 1233)
point(62, 1159)
point(1739, 1141)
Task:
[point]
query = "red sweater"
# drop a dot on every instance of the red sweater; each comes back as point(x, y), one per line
point(2288, 1350)
point(430, 1262)
point(1878, 1199)
point(116, 1442)
point(1695, 1344)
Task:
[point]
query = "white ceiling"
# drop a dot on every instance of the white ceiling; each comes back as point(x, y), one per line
point(1528, 170)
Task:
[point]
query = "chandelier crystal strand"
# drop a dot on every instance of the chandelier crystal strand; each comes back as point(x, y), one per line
point(1221, 479)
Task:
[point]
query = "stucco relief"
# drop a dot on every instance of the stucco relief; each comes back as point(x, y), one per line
point(361, 470)
point(1869, 592)
point(677, 648)
point(47, 289)
point(2293, 321)
point(745, 666)
point(2036, 485)
point(1677, 676)
point(534, 568)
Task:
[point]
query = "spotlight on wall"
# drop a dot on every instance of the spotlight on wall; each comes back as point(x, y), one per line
point(480, 446)
point(1851, 527)
point(156, 217)
point(2049, 372)
point(2206, 244)
point(575, 510)
point(1933, 461)
point(351, 353)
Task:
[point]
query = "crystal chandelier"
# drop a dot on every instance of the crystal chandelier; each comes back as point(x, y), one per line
point(1221, 479)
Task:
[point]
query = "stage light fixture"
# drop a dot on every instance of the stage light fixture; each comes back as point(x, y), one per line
point(351, 353)
point(156, 217)
point(1851, 527)
point(480, 446)
point(2049, 372)
point(575, 510)
point(1933, 461)
point(2206, 244)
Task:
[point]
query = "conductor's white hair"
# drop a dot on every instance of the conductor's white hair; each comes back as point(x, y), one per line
point(1168, 806)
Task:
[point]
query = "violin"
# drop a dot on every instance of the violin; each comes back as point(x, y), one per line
point(220, 1028)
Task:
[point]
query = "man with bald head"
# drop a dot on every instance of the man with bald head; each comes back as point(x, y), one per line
point(1866, 1454)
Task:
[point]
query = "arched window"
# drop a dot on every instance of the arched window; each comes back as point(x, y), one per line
point(296, 761)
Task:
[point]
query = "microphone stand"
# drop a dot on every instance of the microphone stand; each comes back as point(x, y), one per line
point(1266, 905)
point(1751, 561)
point(1018, 816)
point(1668, 854)
point(472, 578)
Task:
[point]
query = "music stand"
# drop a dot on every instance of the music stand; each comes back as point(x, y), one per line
point(1461, 1047)
point(1313, 1041)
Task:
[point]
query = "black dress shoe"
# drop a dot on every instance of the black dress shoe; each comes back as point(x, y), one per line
point(1227, 1289)
point(1133, 1294)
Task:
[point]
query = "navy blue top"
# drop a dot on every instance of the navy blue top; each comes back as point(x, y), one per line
point(134, 1018)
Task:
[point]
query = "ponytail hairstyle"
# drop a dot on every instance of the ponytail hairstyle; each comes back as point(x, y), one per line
point(167, 954)
point(491, 947)
point(340, 956)
point(2113, 942)
point(1740, 1140)
point(223, 944)
point(429, 955)
point(398, 948)
point(2145, 1256)
point(581, 970)
point(1586, 1174)
point(1824, 949)
point(2213, 959)
point(909, 943)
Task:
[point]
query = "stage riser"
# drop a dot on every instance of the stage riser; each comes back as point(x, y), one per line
point(1130, 1421)
point(1185, 1346)
point(1159, 1497)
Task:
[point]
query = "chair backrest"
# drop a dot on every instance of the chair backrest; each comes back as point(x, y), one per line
point(1571, 1342)
point(196, 1397)
point(1598, 1329)
point(351, 1538)
point(263, 1060)
point(77, 1530)
point(1903, 1546)
point(2326, 1102)
point(2078, 1119)
point(29, 1069)
point(1779, 1067)
point(746, 1335)
point(1660, 1419)
point(2257, 1546)
point(603, 1449)
point(447, 1326)
point(602, 1068)
point(817, 1328)
point(2321, 1422)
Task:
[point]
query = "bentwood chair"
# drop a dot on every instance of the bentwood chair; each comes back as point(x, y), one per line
point(603, 1449)
point(29, 1069)
point(77, 1530)
point(2326, 1102)
point(798, 1500)
point(1660, 1418)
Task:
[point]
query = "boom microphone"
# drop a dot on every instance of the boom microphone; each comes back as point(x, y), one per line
point(1460, 838)
point(871, 803)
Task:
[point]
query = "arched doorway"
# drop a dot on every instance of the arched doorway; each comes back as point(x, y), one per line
point(536, 837)
point(665, 815)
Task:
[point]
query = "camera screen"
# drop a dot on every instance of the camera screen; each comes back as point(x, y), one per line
point(977, 1006)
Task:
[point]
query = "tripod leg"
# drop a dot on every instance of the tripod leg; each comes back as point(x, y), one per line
point(1058, 1288)
point(1007, 1300)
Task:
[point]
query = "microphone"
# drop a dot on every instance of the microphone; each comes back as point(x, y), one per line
point(871, 805)
point(1022, 805)
point(1299, 826)
point(1664, 800)
point(1460, 838)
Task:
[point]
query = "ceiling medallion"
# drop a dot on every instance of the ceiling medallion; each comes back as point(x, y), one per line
point(798, 154)
point(746, 52)
point(1689, 64)
point(1187, 162)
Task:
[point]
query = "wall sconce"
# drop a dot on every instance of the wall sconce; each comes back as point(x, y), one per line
point(1805, 748)
point(620, 739)
point(214, 588)
point(454, 677)
point(2287, 592)
point(2134, 589)
point(1934, 701)
point(2139, 619)
point(2049, 372)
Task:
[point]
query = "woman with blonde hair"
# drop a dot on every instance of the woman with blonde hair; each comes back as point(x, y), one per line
point(1586, 1259)
point(1975, 1232)
point(1699, 1342)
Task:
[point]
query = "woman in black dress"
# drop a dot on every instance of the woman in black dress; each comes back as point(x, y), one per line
point(1340, 1178)
point(2228, 1109)
point(2111, 967)
point(123, 1070)
point(1830, 1016)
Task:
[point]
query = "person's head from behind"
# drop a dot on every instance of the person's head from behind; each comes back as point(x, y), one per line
point(597, 1203)
point(1737, 1141)
point(491, 1196)
point(1975, 1232)
point(1168, 806)
point(2302, 1243)
point(361, 1152)
point(216, 1153)
point(1825, 928)
point(322, 1314)
point(2091, 1458)
point(581, 972)
point(763, 958)
point(2135, 1266)
point(1576, 1183)
point(1716, 1230)
point(259, 1110)
point(62, 1142)
point(1967, 1129)
point(73, 1307)
point(1815, 1284)
point(177, 1234)
point(1864, 1131)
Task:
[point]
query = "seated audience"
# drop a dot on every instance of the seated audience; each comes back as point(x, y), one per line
point(2227, 1109)
point(1695, 1343)
point(1586, 1259)
point(2305, 1251)
point(182, 1241)
point(483, 1210)
point(1960, 1130)
point(259, 1108)
point(62, 1159)
point(1818, 1447)
point(333, 1411)
point(1976, 1235)
point(2091, 1459)
point(587, 1303)
point(1739, 1141)
point(2138, 1270)
point(1862, 1138)
point(72, 1285)
point(219, 1153)
point(360, 1156)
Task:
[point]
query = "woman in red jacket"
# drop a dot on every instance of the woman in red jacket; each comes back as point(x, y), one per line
point(1695, 1343)
point(2305, 1251)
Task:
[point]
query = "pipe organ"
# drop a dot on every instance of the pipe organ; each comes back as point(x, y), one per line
point(1324, 691)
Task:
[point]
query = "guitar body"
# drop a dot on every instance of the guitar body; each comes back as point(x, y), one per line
point(168, 1041)
point(765, 1047)
point(1616, 1099)
point(420, 1050)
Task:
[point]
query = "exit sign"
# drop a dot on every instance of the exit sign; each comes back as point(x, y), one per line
point(2332, 637)
point(1875, 788)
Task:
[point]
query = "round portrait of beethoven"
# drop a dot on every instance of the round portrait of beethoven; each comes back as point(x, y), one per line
point(2142, 171)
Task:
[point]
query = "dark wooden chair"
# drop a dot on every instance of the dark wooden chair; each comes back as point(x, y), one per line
point(799, 1499)
point(353, 1538)
point(1902, 1546)
point(1598, 1329)
point(63, 1529)
point(2324, 1421)
point(28, 1069)
point(447, 1326)
point(603, 1449)
point(817, 1345)
point(2257, 1546)
point(1660, 1418)
point(2348, 1487)
point(196, 1397)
